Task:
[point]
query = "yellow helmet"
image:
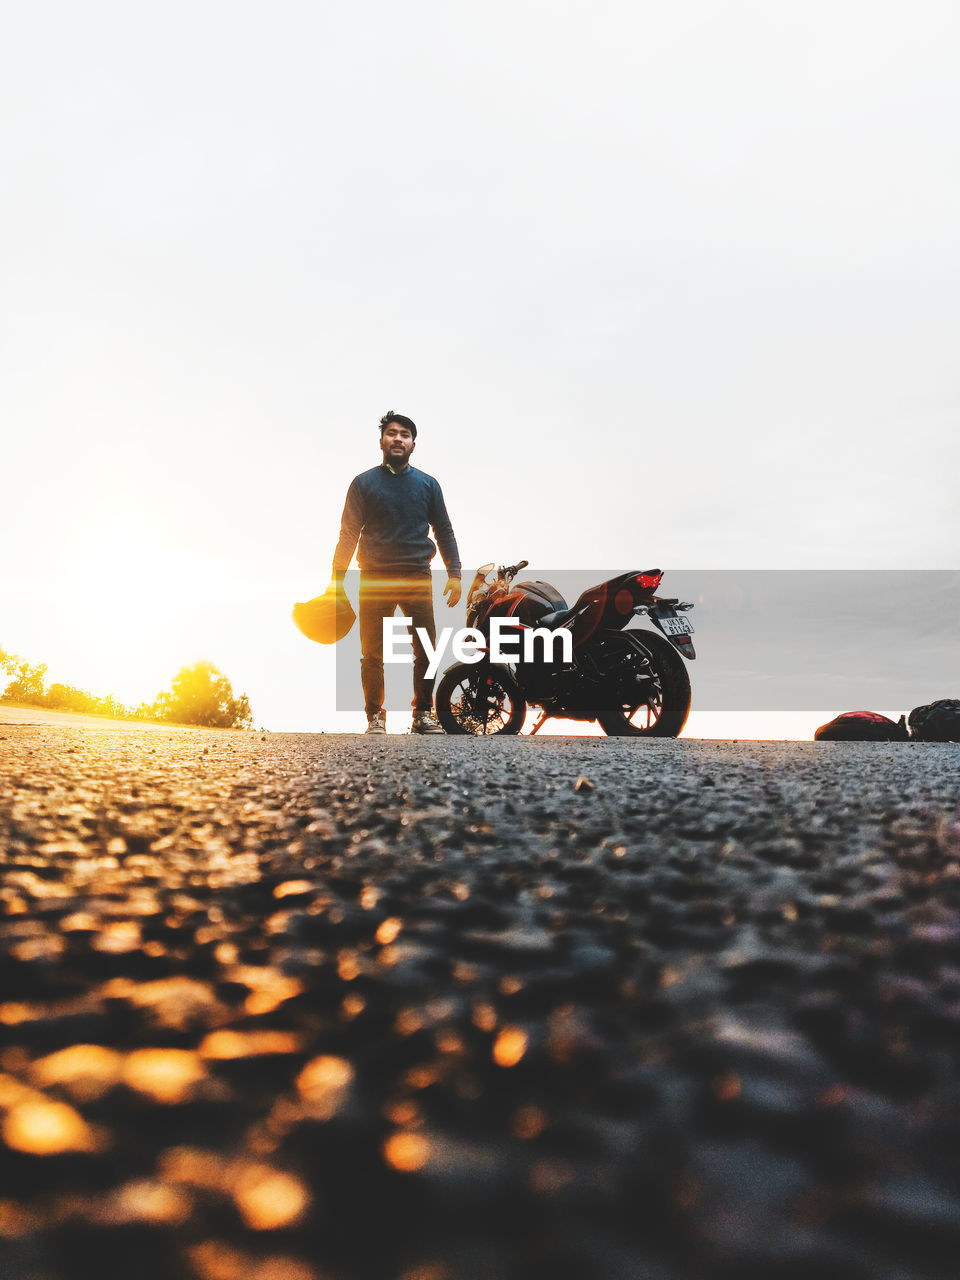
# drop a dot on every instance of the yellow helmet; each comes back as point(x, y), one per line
point(326, 618)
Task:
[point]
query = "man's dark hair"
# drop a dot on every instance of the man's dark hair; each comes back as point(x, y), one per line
point(400, 420)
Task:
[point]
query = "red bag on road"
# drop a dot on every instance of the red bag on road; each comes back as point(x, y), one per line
point(862, 726)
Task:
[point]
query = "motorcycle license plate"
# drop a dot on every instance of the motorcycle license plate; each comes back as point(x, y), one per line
point(676, 626)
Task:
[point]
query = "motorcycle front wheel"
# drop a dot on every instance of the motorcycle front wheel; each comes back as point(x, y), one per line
point(665, 712)
point(478, 700)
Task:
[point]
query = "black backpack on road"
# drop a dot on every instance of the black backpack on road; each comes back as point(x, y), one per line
point(936, 721)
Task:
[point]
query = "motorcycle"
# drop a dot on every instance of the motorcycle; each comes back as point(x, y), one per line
point(632, 681)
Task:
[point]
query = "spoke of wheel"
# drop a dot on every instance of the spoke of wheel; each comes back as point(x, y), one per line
point(494, 713)
point(630, 712)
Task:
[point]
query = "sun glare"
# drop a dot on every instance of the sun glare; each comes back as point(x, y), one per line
point(124, 583)
point(126, 613)
point(120, 616)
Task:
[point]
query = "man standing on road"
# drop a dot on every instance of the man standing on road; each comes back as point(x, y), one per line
point(390, 508)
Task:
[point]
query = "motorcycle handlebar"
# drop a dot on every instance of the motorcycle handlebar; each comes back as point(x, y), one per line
point(512, 570)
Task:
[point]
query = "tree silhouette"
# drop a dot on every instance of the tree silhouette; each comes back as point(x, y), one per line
point(28, 682)
point(65, 697)
point(202, 695)
point(199, 695)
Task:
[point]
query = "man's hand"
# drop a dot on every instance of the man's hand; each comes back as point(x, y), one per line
point(453, 587)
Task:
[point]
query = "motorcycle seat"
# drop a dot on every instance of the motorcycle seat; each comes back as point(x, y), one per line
point(558, 618)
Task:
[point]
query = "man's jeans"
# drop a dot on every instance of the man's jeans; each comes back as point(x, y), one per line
point(380, 594)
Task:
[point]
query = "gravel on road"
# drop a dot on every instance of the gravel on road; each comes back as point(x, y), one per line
point(306, 1007)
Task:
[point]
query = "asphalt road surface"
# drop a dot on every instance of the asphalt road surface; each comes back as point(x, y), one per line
point(331, 1008)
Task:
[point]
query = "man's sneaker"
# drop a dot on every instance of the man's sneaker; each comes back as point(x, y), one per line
point(376, 723)
point(425, 722)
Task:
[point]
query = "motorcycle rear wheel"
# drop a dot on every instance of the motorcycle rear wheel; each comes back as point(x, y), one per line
point(665, 714)
point(476, 700)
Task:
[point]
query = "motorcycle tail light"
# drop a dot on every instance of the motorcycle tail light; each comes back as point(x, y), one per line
point(649, 580)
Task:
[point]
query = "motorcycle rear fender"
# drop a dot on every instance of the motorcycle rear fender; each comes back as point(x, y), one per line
point(685, 650)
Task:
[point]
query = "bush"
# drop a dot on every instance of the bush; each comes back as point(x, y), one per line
point(27, 684)
point(199, 695)
point(202, 695)
point(64, 697)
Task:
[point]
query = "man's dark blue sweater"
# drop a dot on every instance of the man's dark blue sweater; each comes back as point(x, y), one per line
point(391, 512)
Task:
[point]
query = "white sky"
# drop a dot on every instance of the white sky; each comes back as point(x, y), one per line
point(672, 285)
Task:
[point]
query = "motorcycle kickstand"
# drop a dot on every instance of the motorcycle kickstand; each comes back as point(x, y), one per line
point(540, 723)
